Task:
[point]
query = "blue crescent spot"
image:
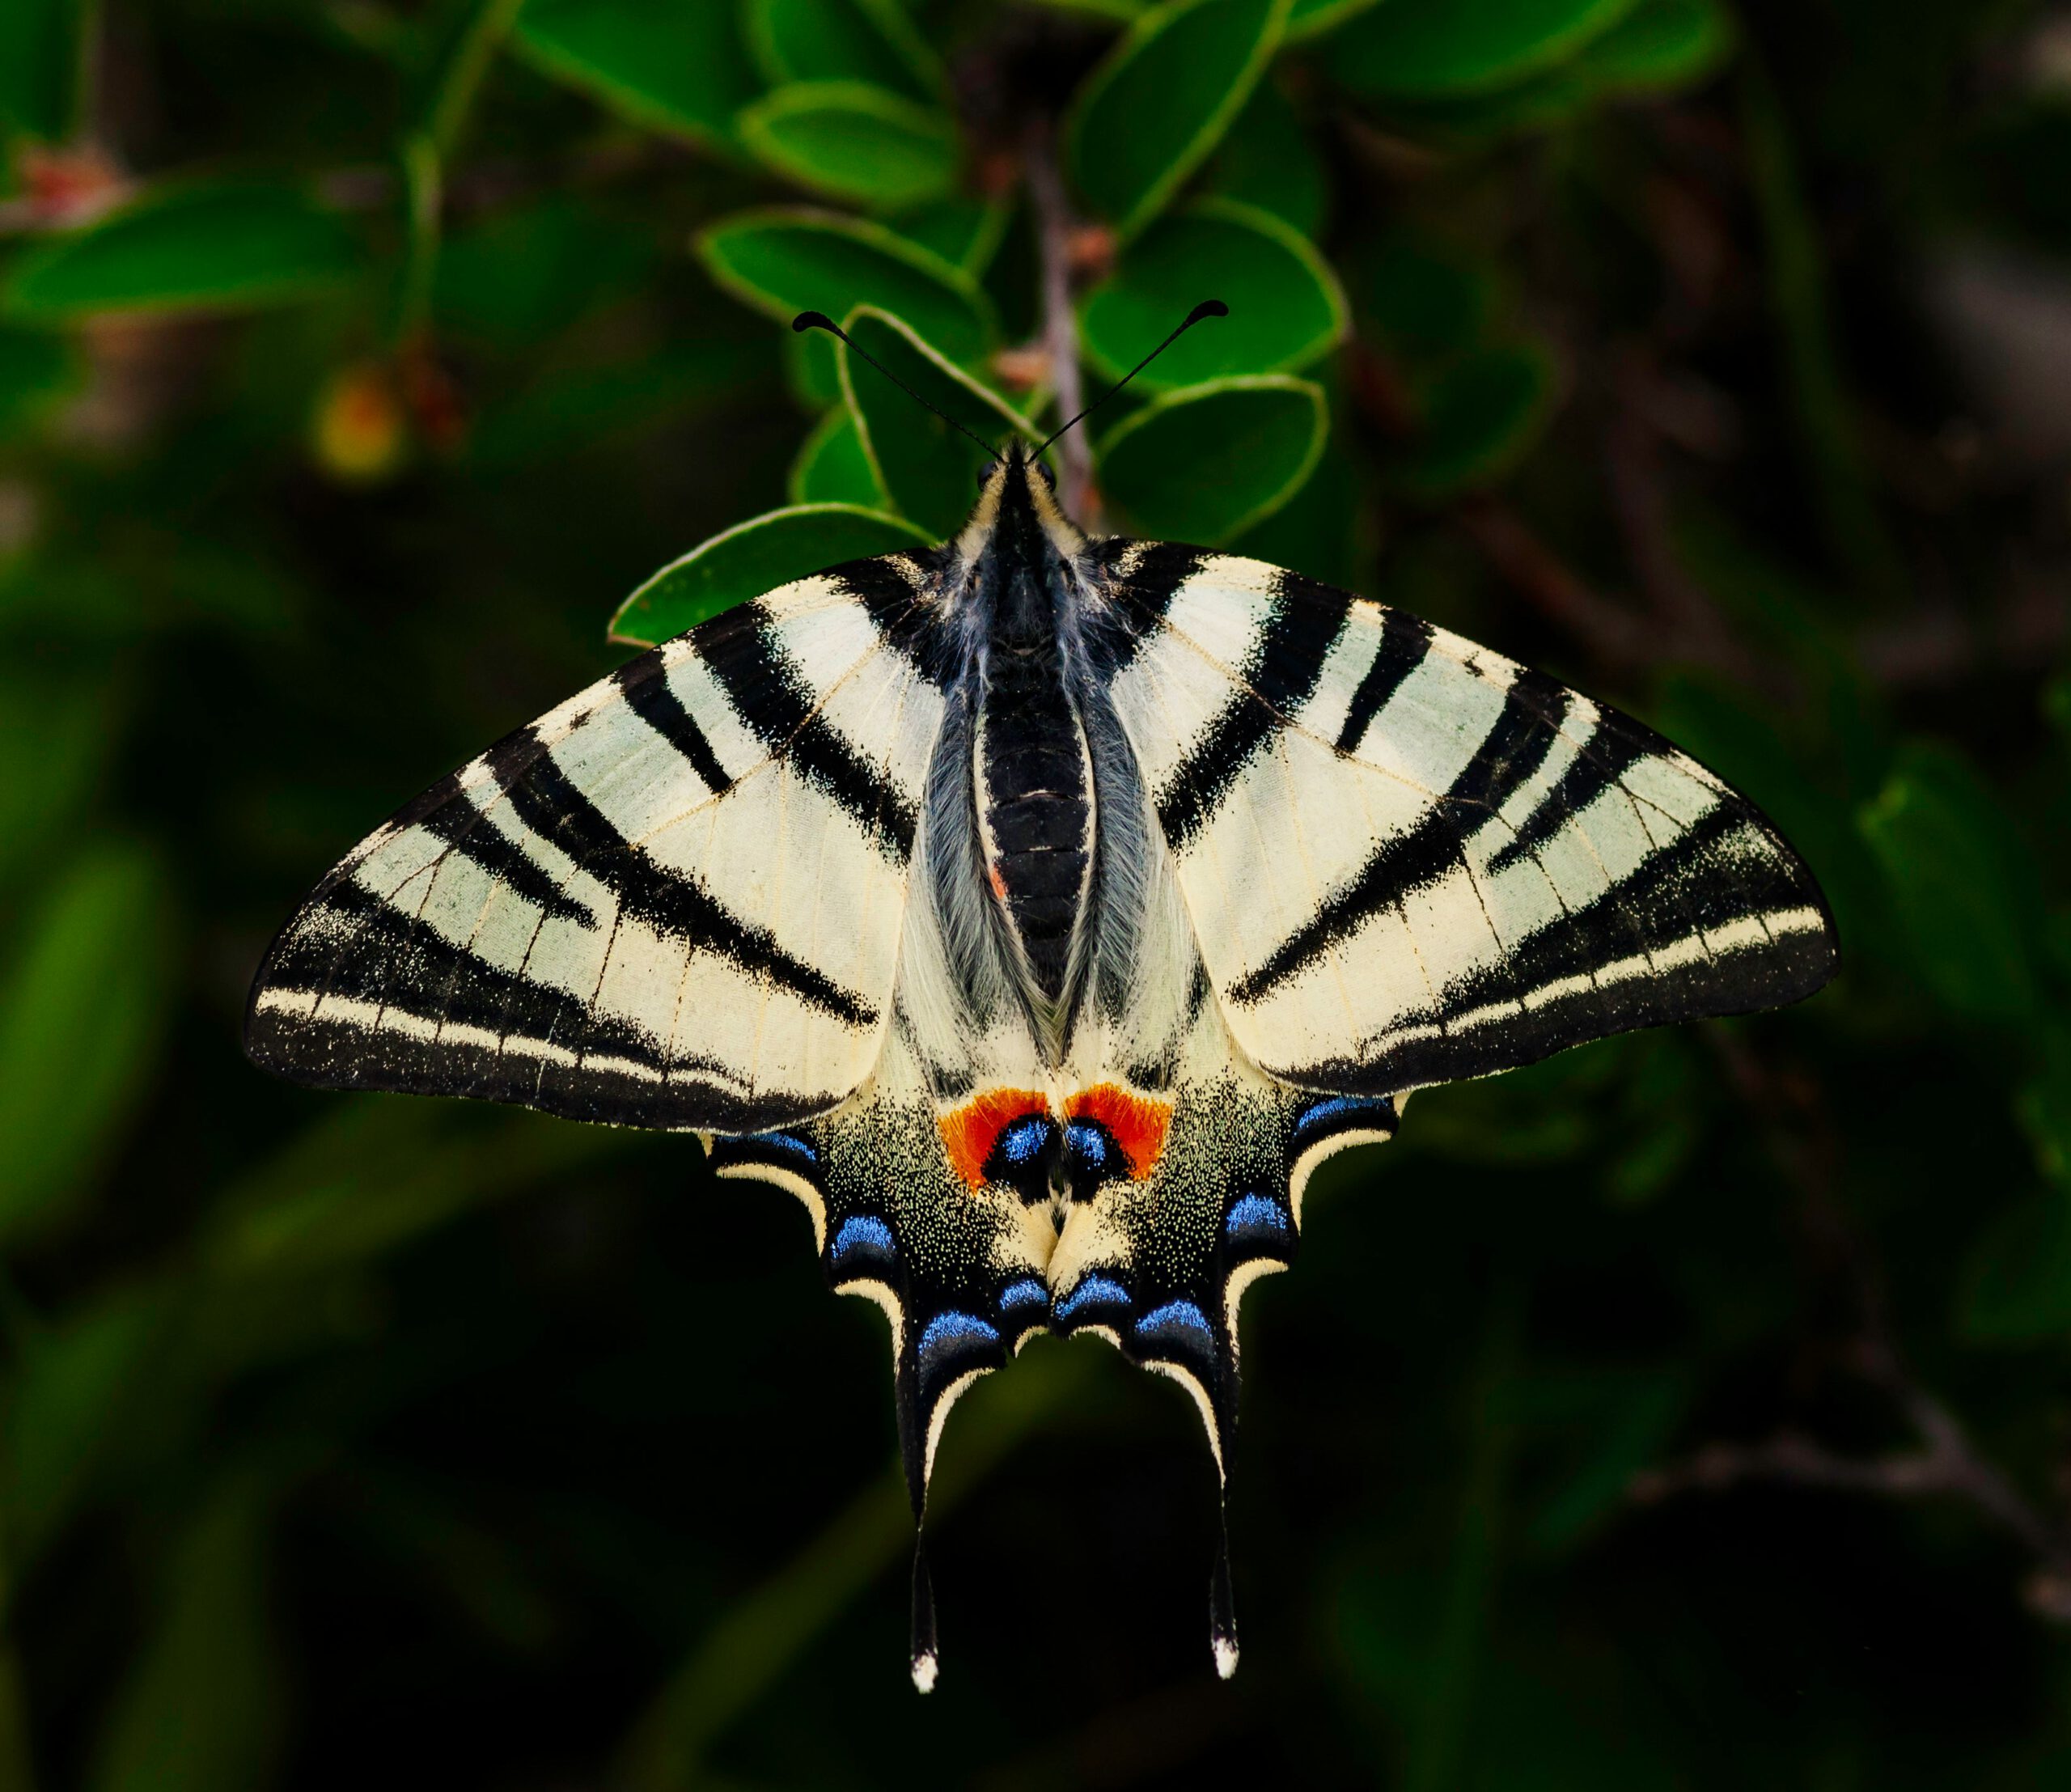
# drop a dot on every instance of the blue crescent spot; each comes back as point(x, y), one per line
point(1092, 1291)
point(863, 1232)
point(1346, 1108)
point(1027, 1292)
point(948, 1331)
point(785, 1142)
point(1177, 1315)
point(1255, 1217)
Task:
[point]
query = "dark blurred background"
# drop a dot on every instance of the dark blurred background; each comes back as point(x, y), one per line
point(1688, 1412)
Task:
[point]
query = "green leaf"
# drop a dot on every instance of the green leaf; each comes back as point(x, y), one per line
point(832, 467)
point(964, 232)
point(36, 370)
point(1313, 18)
point(1204, 463)
point(55, 736)
point(870, 41)
point(1426, 48)
point(40, 66)
point(221, 246)
point(1481, 416)
point(568, 409)
point(203, 1708)
point(82, 1011)
point(1423, 299)
point(660, 63)
point(929, 470)
point(529, 271)
point(1267, 160)
point(753, 558)
point(783, 262)
point(1159, 104)
point(1286, 308)
point(852, 141)
point(2017, 1282)
point(1964, 890)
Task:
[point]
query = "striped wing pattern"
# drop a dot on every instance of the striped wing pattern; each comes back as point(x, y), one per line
point(1409, 860)
point(675, 900)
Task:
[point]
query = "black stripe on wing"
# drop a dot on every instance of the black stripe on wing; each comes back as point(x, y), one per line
point(1279, 675)
point(771, 697)
point(672, 902)
point(1405, 639)
point(1515, 748)
point(351, 947)
point(645, 684)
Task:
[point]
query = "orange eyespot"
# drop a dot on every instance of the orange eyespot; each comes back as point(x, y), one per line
point(969, 1133)
point(1136, 1123)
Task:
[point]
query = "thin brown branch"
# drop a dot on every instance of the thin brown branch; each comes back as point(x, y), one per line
point(1945, 1462)
point(1054, 233)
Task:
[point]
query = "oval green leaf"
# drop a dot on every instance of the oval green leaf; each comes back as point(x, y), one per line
point(1430, 48)
point(1286, 308)
point(870, 41)
point(929, 470)
point(785, 261)
point(1157, 105)
point(852, 141)
point(672, 67)
point(1482, 416)
point(1267, 160)
point(1313, 18)
point(966, 232)
point(832, 467)
point(752, 558)
point(225, 246)
point(1205, 464)
point(82, 1012)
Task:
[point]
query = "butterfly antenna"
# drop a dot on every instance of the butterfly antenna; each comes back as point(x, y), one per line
point(820, 320)
point(1208, 307)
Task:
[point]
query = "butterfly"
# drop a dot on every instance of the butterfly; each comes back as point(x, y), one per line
point(1041, 910)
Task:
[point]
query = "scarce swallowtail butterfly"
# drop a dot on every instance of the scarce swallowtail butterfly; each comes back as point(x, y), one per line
point(1040, 909)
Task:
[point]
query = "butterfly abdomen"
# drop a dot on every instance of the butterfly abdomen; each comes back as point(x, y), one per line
point(1035, 791)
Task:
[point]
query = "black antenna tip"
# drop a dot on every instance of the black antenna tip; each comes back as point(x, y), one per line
point(1208, 307)
point(814, 320)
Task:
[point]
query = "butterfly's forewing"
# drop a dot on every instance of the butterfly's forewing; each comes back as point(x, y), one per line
point(674, 901)
point(1409, 860)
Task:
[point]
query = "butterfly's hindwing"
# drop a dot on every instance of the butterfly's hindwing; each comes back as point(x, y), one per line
point(675, 900)
point(1408, 860)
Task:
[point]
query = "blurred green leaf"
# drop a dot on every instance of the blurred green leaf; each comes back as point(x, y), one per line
point(1423, 298)
point(753, 558)
point(1611, 1425)
point(853, 140)
point(56, 735)
point(36, 370)
point(965, 232)
point(1961, 883)
point(212, 246)
point(785, 261)
point(1479, 416)
point(202, 1710)
point(1313, 18)
point(2016, 1285)
point(529, 271)
point(565, 409)
point(930, 470)
point(1422, 49)
point(1159, 104)
point(1267, 160)
point(64, 1406)
point(657, 62)
point(1286, 309)
point(832, 467)
point(870, 41)
point(82, 1011)
point(41, 66)
point(1204, 463)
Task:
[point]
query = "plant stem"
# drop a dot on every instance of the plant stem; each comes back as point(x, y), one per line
point(1054, 224)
